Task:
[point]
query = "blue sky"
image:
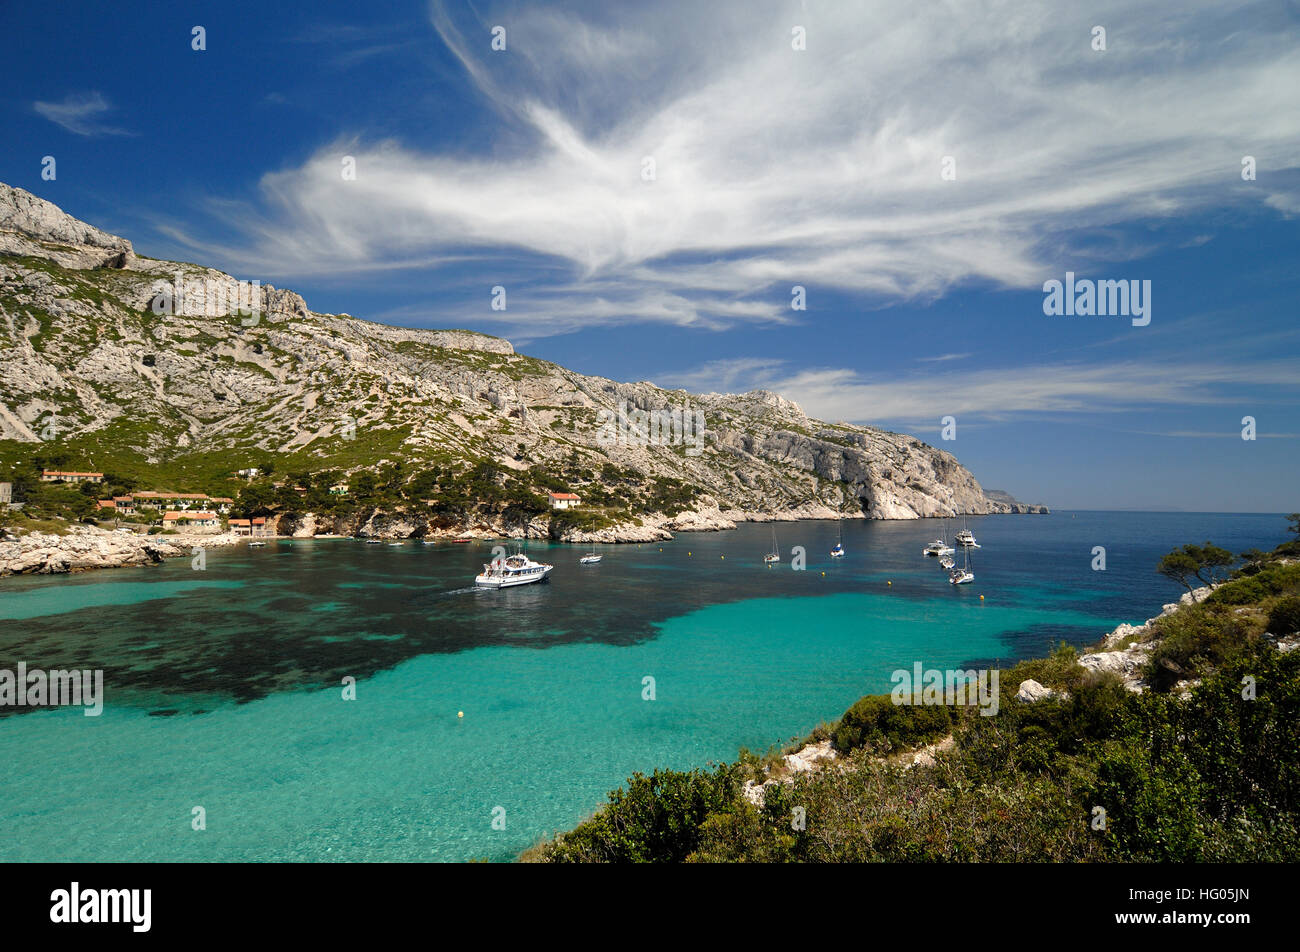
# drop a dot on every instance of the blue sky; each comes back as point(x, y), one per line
point(773, 167)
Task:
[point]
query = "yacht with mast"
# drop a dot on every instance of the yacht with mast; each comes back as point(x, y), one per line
point(963, 575)
point(775, 554)
point(837, 550)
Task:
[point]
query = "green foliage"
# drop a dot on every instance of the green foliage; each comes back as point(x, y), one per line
point(1204, 563)
point(879, 725)
point(655, 819)
point(1197, 640)
point(1284, 618)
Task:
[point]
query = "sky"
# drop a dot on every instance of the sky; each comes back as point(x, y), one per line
point(649, 183)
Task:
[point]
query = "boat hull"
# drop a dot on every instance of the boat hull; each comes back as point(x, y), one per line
point(510, 581)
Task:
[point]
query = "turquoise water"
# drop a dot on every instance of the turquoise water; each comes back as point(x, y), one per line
point(223, 687)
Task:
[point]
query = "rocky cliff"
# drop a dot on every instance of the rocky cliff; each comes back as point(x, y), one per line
point(130, 362)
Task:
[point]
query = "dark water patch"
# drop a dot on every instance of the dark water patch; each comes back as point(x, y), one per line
point(319, 611)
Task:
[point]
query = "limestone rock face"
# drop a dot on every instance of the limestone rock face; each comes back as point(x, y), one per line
point(86, 547)
point(1127, 664)
point(34, 227)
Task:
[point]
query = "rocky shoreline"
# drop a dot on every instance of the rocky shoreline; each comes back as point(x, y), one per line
point(654, 527)
point(1124, 651)
point(84, 548)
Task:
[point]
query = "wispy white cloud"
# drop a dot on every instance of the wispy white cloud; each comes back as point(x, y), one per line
point(776, 167)
point(80, 113)
point(994, 393)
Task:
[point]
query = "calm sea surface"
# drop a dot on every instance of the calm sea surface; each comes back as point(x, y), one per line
point(224, 686)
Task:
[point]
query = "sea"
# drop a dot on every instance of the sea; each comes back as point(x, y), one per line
point(319, 700)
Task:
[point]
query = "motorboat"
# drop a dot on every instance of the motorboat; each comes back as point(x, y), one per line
point(513, 570)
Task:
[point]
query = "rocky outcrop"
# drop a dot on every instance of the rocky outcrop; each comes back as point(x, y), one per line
point(84, 547)
point(1031, 691)
point(1005, 499)
point(33, 227)
point(808, 758)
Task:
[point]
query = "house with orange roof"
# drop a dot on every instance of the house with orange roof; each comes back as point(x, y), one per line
point(198, 519)
point(62, 476)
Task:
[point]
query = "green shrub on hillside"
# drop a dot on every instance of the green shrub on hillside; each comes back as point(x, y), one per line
point(879, 725)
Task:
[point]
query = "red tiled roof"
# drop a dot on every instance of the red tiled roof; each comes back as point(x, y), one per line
point(564, 495)
point(239, 522)
point(106, 504)
point(173, 516)
point(59, 472)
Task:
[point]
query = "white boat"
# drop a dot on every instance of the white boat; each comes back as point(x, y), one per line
point(938, 547)
point(837, 550)
point(591, 558)
point(775, 554)
point(254, 544)
point(946, 561)
point(372, 542)
point(429, 542)
point(965, 537)
point(963, 575)
point(513, 570)
point(397, 543)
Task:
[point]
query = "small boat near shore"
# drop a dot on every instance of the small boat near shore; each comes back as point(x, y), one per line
point(256, 545)
point(590, 558)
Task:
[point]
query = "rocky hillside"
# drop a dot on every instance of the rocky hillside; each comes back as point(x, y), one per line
point(146, 366)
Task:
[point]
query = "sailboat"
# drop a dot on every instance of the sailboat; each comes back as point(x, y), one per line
point(591, 558)
point(837, 550)
point(962, 575)
point(965, 538)
point(775, 554)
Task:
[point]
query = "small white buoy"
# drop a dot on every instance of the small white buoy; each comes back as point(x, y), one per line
point(460, 713)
